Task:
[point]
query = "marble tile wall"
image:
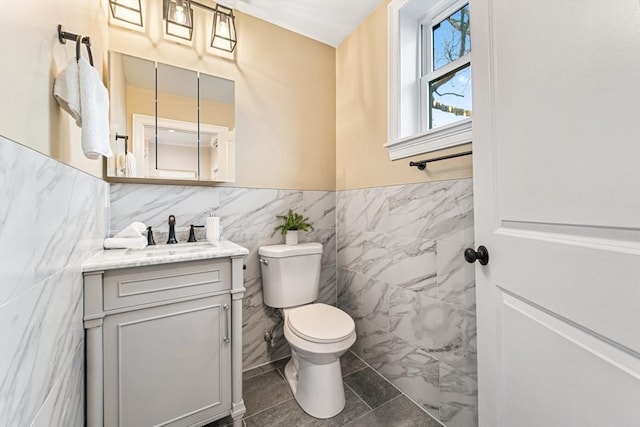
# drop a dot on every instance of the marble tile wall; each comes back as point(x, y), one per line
point(402, 277)
point(248, 217)
point(52, 217)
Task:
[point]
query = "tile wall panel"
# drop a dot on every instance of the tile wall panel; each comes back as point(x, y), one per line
point(402, 277)
point(248, 218)
point(52, 217)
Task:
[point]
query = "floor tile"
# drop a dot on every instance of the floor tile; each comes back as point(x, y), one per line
point(264, 391)
point(350, 363)
point(399, 412)
point(264, 369)
point(289, 414)
point(371, 387)
point(354, 408)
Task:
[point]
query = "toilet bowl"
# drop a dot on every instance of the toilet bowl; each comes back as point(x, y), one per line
point(318, 335)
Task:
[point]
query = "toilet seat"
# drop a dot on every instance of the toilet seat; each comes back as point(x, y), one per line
point(320, 323)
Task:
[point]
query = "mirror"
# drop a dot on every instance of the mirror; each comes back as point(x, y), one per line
point(169, 123)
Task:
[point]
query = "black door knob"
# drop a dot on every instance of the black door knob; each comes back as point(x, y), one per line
point(482, 255)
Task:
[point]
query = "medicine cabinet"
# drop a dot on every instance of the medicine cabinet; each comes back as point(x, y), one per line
point(169, 123)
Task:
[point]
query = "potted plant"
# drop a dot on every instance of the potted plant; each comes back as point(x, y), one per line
point(292, 222)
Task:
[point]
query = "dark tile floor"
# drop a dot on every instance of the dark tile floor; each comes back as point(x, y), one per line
point(371, 400)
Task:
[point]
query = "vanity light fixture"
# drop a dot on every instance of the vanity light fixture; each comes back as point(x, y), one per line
point(178, 15)
point(223, 35)
point(129, 11)
point(179, 18)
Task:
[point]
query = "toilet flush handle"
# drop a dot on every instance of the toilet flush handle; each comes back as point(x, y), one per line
point(264, 261)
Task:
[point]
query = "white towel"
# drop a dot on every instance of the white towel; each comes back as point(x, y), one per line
point(125, 243)
point(94, 103)
point(130, 167)
point(66, 90)
point(135, 229)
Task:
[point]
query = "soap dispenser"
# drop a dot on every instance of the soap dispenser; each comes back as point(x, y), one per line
point(213, 228)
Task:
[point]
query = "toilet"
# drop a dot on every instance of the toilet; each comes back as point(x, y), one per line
point(317, 333)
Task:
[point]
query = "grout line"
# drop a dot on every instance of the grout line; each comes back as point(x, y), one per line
point(284, 378)
point(389, 402)
point(357, 370)
point(366, 413)
point(377, 373)
point(358, 396)
point(270, 363)
point(270, 407)
point(436, 419)
point(402, 393)
point(286, 384)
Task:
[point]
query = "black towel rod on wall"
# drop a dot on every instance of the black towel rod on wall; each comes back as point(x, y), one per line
point(63, 36)
point(422, 164)
point(126, 141)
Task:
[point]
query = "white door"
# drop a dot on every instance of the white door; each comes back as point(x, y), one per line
point(556, 131)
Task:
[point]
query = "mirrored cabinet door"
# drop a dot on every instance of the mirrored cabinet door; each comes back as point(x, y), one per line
point(174, 153)
point(217, 129)
point(132, 88)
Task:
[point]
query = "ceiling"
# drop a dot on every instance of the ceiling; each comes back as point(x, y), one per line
point(328, 21)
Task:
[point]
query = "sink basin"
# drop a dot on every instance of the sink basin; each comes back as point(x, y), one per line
point(177, 248)
point(161, 254)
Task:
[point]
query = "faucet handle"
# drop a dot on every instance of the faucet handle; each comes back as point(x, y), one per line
point(192, 233)
point(150, 240)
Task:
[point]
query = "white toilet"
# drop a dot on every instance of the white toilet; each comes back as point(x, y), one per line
point(317, 333)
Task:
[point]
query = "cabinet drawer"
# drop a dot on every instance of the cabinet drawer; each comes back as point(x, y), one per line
point(156, 283)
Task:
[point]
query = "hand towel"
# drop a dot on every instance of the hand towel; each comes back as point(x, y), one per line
point(135, 229)
point(94, 102)
point(130, 167)
point(120, 164)
point(125, 243)
point(66, 90)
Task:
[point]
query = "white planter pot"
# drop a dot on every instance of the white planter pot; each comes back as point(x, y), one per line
point(291, 238)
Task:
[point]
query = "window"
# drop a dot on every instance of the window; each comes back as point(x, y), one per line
point(445, 84)
point(430, 76)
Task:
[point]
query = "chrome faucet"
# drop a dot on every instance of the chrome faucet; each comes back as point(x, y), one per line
point(172, 230)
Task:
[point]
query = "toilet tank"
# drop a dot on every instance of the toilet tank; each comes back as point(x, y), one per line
point(290, 274)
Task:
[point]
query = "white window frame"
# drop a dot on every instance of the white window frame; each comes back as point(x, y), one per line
point(406, 133)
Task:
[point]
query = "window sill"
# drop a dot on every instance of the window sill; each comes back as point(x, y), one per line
point(433, 140)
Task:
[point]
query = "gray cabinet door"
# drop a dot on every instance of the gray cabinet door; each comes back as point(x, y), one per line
point(168, 365)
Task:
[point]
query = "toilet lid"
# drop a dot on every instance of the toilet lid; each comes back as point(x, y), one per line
point(320, 323)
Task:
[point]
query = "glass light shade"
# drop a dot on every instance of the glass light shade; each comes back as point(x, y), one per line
point(129, 11)
point(223, 36)
point(179, 18)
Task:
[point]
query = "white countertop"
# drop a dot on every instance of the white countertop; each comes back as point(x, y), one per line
point(110, 259)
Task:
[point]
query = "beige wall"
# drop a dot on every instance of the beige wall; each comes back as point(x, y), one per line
point(285, 96)
point(308, 116)
point(361, 116)
point(31, 58)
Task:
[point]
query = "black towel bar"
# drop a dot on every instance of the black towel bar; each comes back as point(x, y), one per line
point(63, 36)
point(126, 141)
point(422, 164)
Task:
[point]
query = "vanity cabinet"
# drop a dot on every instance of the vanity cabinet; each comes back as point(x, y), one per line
point(164, 343)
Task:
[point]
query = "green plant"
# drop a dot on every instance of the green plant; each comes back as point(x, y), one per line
point(293, 221)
